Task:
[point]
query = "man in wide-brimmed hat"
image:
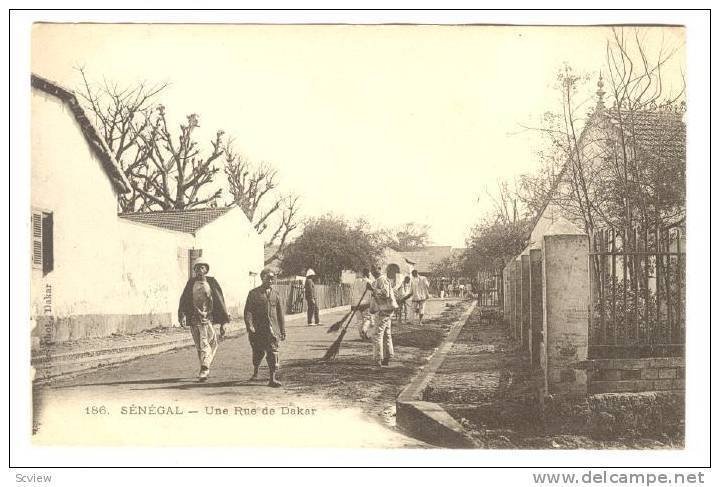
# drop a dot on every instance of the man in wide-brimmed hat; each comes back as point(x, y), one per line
point(202, 304)
point(311, 297)
point(265, 323)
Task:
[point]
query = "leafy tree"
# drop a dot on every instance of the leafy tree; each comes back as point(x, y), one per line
point(329, 245)
point(409, 236)
point(450, 266)
point(492, 243)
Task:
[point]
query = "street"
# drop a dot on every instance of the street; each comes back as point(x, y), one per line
point(157, 400)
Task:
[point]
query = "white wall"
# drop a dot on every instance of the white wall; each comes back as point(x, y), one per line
point(551, 222)
point(233, 249)
point(154, 269)
point(69, 181)
point(110, 275)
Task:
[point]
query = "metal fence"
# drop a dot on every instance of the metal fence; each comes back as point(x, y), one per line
point(637, 293)
point(489, 289)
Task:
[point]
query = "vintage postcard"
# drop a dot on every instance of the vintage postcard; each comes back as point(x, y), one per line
point(358, 236)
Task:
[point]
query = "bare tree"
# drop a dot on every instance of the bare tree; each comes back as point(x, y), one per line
point(609, 176)
point(505, 203)
point(254, 189)
point(651, 178)
point(165, 171)
point(289, 221)
point(533, 191)
point(623, 167)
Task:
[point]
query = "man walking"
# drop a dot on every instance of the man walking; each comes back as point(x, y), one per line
point(403, 290)
point(201, 305)
point(311, 297)
point(420, 289)
point(265, 321)
point(384, 304)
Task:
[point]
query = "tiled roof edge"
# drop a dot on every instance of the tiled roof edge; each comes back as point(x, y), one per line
point(96, 142)
point(128, 217)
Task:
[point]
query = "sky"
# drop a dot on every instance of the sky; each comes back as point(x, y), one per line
point(393, 124)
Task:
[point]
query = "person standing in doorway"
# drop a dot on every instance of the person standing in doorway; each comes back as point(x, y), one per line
point(265, 323)
point(202, 304)
point(311, 297)
point(420, 289)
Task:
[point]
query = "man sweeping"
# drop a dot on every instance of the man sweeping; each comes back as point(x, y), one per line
point(384, 304)
point(365, 318)
point(201, 305)
point(265, 322)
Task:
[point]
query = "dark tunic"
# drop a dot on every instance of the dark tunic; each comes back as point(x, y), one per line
point(264, 311)
point(310, 292)
point(187, 309)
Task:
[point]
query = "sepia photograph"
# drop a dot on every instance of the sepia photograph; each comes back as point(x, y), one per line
point(358, 236)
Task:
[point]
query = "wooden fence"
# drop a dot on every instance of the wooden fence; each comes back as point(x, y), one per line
point(292, 295)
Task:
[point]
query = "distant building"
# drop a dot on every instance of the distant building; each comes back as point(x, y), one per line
point(424, 259)
point(94, 272)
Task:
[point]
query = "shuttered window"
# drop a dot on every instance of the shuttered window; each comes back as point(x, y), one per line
point(37, 253)
point(42, 241)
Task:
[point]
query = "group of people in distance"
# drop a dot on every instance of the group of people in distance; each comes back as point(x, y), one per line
point(453, 289)
point(382, 297)
point(202, 304)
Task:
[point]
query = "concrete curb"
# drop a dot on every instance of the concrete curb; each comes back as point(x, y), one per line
point(425, 420)
point(49, 366)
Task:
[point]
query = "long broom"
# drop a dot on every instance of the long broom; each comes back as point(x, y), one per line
point(338, 324)
point(335, 347)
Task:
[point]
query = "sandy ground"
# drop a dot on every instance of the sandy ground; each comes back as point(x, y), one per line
point(156, 400)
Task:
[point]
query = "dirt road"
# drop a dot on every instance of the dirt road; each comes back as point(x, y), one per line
point(156, 400)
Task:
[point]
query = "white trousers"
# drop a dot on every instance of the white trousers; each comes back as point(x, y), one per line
point(382, 339)
point(206, 343)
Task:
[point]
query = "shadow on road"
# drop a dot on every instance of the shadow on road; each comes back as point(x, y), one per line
point(208, 385)
point(125, 382)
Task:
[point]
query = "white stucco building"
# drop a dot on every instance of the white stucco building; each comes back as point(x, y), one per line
point(95, 272)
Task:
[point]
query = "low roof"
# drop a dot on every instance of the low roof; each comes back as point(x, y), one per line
point(96, 142)
point(423, 259)
point(660, 132)
point(657, 131)
point(186, 221)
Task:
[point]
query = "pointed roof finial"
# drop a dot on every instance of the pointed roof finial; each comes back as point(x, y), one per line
point(600, 92)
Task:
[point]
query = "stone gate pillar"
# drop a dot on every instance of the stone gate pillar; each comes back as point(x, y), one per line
point(537, 333)
point(525, 301)
point(566, 279)
point(517, 301)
